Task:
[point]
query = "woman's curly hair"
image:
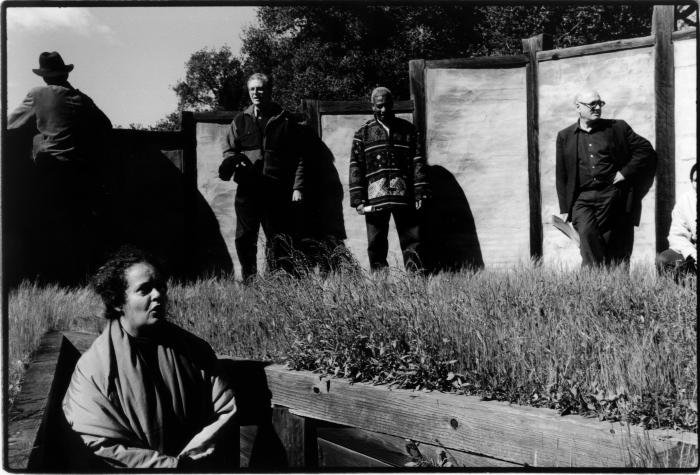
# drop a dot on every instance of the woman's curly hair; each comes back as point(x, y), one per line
point(110, 279)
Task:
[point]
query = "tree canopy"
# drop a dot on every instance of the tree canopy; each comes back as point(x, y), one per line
point(342, 52)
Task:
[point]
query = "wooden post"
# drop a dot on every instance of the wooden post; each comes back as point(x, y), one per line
point(416, 78)
point(188, 131)
point(298, 437)
point(531, 46)
point(313, 114)
point(662, 28)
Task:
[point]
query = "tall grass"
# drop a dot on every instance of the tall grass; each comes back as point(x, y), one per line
point(34, 310)
point(618, 345)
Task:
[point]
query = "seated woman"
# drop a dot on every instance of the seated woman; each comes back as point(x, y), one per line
point(682, 255)
point(148, 394)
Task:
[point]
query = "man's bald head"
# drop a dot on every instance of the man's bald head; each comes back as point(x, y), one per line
point(586, 96)
point(588, 105)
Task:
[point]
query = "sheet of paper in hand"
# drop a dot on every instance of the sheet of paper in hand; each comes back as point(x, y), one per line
point(566, 228)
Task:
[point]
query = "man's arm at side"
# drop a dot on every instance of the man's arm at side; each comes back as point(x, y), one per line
point(303, 140)
point(231, 153)
point(420, 174)
point(561, 176)
point(357, 180)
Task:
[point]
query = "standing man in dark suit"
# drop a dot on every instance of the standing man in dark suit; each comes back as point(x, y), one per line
point(603, 170)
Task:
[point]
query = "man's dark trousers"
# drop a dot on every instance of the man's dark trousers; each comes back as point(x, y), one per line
point(605, 228)
point(406, 220)
point(260, 201)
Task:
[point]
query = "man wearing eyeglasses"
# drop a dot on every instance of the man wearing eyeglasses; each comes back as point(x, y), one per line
point(603, 170)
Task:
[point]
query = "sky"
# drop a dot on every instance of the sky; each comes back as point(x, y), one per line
point(126, 58)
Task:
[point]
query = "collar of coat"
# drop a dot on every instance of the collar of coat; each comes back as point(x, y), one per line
point(599, 125)
point(274, 110)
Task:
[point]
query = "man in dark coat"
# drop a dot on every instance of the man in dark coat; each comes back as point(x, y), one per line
point(263, 153)
point(72, 140)
point(603, 170)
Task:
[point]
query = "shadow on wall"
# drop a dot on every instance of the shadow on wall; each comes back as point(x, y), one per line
point(319, 222)
point(145, 200)
point(154, 207)
point(450, 240)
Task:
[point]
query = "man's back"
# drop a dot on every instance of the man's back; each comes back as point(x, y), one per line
point(66, 119)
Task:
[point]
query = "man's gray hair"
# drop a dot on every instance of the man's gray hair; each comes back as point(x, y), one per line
point(264, 78)
point(381, 91)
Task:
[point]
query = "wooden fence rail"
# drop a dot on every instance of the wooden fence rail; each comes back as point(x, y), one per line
point(299, 419)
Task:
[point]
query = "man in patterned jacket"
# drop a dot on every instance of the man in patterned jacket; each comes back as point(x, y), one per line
point(388, 177)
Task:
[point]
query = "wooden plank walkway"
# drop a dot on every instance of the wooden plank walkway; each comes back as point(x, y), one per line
point(34, 402)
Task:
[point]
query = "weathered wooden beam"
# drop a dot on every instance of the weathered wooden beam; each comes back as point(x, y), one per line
point(663, 22)
point(488, 62)
point(395, 450)
point(221, 117)
point(298, 437)
point(597, 48)
point(358, 107)
point(684, 34)
point(311, 109)
point(521, 435)
point(32, 417)
point(531, 46)
point(416, 79)
point(332, 455)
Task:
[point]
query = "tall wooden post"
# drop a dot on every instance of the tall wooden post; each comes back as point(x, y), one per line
point(298, 437)
point(416, 78)
point(662, 28)
point(310, 107)
point(531, 46)
point(188, 133)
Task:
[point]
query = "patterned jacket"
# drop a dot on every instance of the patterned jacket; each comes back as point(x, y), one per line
point(387, 170)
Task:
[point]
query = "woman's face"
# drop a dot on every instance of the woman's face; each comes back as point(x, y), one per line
point(145, 300)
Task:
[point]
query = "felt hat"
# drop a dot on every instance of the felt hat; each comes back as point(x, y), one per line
point(51, 64)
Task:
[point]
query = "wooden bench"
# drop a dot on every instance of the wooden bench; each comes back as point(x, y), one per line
point(296, 419)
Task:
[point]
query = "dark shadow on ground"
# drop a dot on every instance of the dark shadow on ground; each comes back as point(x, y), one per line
point(449, 238)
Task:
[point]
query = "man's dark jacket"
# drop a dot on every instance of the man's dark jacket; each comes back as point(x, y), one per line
point(634, 157)
point(279, 146)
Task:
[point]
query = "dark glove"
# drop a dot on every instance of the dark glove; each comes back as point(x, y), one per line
point(227, 167)
point(243, 168)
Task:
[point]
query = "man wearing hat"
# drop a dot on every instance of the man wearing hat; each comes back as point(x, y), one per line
point(66, 152)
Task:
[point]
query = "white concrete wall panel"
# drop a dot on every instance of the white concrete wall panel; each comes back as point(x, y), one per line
point(686, 119)
point(477, 130)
